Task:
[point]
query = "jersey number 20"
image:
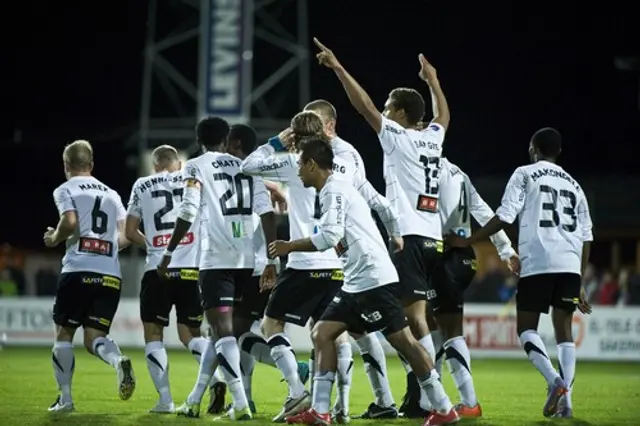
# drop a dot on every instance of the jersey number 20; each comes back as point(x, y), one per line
point(236, 184)
point(552, 208)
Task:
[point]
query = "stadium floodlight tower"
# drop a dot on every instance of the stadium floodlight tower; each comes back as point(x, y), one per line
point(245, 60)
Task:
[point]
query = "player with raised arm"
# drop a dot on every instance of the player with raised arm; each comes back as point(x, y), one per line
point(223, 201)
point(411, 172)
point(154, 201)
point(309, 124)
point(91, 225)
point(369, 300)
point(554, 243)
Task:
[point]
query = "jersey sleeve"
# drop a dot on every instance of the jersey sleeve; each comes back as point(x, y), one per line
point(382, 206)
point(332, 223)
point(514, 197)
point(389, 135)
point(584, 219)
point(192, 172)
point(266, 163)
point(63, 200)
point(134, 208)
point(261, 200)
point(482, 213)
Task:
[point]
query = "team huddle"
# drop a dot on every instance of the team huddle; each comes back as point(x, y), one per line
point(209, 231)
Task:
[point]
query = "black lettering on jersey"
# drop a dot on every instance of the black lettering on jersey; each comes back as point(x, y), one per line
point(275, 166)
point(95, 186)
point(392, 129)
point(225, 163)
point(339, 208)
point(157, 180)
point(561, 174)
point(339, 168)
point(168, 206)
point(463, 208)
point(551, 207)
point(317, 208)
point(425, 144)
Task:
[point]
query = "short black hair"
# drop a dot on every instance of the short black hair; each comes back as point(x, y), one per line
point(246, 135)
point(212, 131)
point(548, 142)
point(322, 107)
point(318, 150)
point(410, 101)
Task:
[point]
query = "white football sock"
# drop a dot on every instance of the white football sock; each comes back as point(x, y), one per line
point(435, 391)
point(312, 369)
point(247, 363)
point(257, 347)
point(64, 363)
point(459, 363)
point(285, 359)
point(197, 346)
point(107, 350)
point(158, 365)
point(345, 372)
point(537, 354)
point(229, 359)
point(375, 365)
point(323, 384)
point(567, 361)
point(208, 362)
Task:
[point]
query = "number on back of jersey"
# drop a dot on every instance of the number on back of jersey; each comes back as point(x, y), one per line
point(553, 216)
point(428, 201)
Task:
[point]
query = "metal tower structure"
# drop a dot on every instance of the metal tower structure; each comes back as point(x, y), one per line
point(280, 85)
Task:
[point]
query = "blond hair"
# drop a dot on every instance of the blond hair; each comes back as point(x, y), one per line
point(78, 155)
point(306, 125)
point(165, 154)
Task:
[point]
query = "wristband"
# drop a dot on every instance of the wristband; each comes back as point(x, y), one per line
point(275, 261)
point(168, 252)
point(276, 143)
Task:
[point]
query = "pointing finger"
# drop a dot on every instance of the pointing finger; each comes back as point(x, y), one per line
point(320, 45)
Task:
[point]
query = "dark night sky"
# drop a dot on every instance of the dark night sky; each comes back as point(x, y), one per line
point(506, 72)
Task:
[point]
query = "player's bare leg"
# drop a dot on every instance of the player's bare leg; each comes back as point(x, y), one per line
point(375, 364)
point(458, 359)
point(298, 398)
point(527, 325)
point(64, 362)
point(423, 366)
point(562, 321)
point(98, 344)
point(340, 411)
point(158, 365)
point(415, 403)
point(324, 337)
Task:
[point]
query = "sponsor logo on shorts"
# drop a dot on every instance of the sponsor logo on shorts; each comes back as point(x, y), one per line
point(436, 244)
point(183, 274)
point(335, 275)
point(105, 281)
point(472, 263)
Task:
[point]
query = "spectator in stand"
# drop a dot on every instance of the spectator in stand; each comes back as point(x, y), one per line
point(633, 287)
point(609, 291)
point(623, 287)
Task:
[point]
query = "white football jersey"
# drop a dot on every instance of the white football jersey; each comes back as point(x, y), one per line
point(554, 218)
point(94, 245)
point(348, 167)
point(459, 200)
point(259, 246)
point(412, 174)
point(347, 228)
point(155, 200)
point(229, 198)
point(304, 204)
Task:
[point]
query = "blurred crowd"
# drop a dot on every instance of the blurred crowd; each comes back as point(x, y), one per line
point(492, 285)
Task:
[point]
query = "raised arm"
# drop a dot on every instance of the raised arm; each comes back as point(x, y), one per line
point(272, 160)
point(360, 100)
point(441, 114)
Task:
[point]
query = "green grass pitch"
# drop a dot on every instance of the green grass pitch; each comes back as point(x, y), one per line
point(511, 392)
